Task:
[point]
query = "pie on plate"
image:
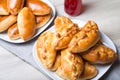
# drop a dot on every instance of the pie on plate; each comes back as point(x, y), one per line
point(102, 69)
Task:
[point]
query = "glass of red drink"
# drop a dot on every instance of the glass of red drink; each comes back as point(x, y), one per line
point(73, 7)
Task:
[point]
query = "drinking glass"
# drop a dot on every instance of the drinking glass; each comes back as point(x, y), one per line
point(73, 7)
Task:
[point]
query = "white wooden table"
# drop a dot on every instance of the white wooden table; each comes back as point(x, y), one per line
point(106, 13)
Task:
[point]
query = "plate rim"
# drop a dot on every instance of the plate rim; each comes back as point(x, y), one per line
point(37, 60)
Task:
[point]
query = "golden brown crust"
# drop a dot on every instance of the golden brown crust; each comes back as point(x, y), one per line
point(71, 66)
point(90, 71)
point(62, 39)
point(3, 7)
point(57, 62)
point(26, 23)
point(59, 21)
point(68, 65)
point(42, 20)
point(100, 54)
point(38, 7)
point(6, 22)
point(46, 54)
point(85, 38)
point(13, 32)
point(15, 6)
point(65, 30)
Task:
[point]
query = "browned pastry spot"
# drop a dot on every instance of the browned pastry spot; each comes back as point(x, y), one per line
point(42, 20)
point(6, 22)
point(46, 54)
point(90, 71)
point(13, 32)
point(65, 30)
point(38, 7)
point(87, 37)
point(100, 54)
point(14, 6)
point(59, 21)
point(3, 7)
point(57, 62)
point(71, 66)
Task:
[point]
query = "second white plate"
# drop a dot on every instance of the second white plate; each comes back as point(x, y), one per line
point(5, 37)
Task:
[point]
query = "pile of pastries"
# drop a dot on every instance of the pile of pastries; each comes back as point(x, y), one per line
point(22, 18)
point(72, 52)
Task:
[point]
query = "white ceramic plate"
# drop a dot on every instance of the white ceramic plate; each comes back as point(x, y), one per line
point(102, 69)
point(5, 37)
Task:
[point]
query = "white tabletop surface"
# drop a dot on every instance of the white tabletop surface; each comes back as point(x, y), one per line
point(106, 13)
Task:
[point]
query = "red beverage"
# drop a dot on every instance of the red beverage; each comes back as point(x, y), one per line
point(73, 7)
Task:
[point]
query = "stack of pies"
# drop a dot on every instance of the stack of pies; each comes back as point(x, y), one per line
point(21, 18)
point(71, 52)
